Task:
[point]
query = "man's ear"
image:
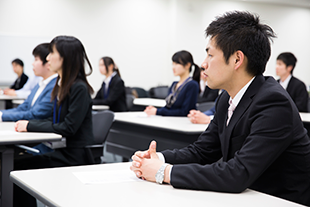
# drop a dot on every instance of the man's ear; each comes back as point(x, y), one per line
point(289, 68)
point(239, 59)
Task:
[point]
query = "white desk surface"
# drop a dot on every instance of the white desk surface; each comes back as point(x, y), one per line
point(9, 136)
point(166, 122)
point(6, 97)
point(305, 117)
point(61, 187)
point(100, 107)
point(149, 102)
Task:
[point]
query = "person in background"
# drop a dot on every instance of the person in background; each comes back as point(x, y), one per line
point(26, 89)
point(256, 139)
point(18, 68)
point(38, 105)
point(182, 96)
point(71, 117)
point(296, 88)
point(112, 91)
point(206, 94)
point(198, 117)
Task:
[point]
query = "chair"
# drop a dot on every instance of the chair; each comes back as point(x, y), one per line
point(160, 92)
point(129, 101)
point(141, 92)
point(205, 106)
point(102, 122)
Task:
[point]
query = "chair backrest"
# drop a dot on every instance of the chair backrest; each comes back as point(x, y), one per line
point(159, 92)
point(141, 92)
point(129, 101)
point(205, 106)
point(102, 122)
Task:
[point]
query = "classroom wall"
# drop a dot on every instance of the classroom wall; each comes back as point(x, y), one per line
point(141, 35)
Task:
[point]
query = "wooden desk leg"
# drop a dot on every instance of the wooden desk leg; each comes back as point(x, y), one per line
point(6, 186)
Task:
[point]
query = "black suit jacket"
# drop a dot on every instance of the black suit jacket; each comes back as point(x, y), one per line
point(208, 95)
point(19, 82)
point(265, 147)
point(116, 99)
point(298, 92)
point(75, 123)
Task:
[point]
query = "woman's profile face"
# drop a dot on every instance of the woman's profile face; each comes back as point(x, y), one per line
point(102, 67)
point(178, 69)
point(55, 60)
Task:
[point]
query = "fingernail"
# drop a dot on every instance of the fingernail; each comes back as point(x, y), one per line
point(137, 165)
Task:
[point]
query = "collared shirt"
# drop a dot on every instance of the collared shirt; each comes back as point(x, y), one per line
point(107, 81)
point(202, 87)
point(284, 84)
point(42, 84)
point(30, 84)
point(240, 94)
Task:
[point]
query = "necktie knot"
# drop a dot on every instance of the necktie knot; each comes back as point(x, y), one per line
point(231, 109)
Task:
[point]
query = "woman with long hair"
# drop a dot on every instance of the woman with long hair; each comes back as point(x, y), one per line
point(71, 117)
point(182, 96)
point(112, 91)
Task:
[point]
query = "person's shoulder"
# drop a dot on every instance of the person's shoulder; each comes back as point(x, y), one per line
point(297, 81)
point(193, 83)
point(79, 84)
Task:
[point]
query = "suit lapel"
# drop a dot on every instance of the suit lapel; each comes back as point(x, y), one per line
point(32, 95)
point(243, 105)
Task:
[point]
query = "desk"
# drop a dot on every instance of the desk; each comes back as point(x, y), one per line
point(132, 131)
point(6, 97)
point(149, 101)
point(100, 107)
point(63, 188)
point(9, 137)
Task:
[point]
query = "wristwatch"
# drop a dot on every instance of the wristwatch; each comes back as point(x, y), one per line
point(160, 175)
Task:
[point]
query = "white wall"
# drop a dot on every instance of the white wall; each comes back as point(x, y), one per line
point(142, 35)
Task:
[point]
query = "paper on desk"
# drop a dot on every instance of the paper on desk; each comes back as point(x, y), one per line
point(110, 176)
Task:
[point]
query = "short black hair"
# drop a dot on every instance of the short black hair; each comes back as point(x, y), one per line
point(240, 30)
point(18, 61)
point(288, 59)
point(41, 51)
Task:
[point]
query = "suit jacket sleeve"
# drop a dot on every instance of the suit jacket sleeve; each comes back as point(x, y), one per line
point(190, 93)
point(79, 103)
point(268, 125)
point(40, 110)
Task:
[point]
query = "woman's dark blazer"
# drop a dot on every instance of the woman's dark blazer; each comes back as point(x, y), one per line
point(116, 99)
point(75, 123)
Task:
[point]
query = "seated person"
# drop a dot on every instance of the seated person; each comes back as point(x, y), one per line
point(112, 91)
point(18, 68)
point(26, 89)
point(206, 94)
point(183, 94)
point(38, 105)
point(256, 130)
point(296, 88)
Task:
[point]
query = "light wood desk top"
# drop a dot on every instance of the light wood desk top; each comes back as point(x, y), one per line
point(166, 122)
point(64, 188)
point(149, 102)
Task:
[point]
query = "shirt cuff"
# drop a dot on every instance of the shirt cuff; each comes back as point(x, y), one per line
point(162, 158)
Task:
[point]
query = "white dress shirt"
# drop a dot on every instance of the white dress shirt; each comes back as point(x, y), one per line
point(42, 84)
point(284, 84)
point(29, 85)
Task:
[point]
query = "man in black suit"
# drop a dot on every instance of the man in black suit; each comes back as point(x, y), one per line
point(256, 130)
point(296, 88)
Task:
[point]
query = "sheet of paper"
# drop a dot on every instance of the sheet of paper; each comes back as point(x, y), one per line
point(109, 176)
